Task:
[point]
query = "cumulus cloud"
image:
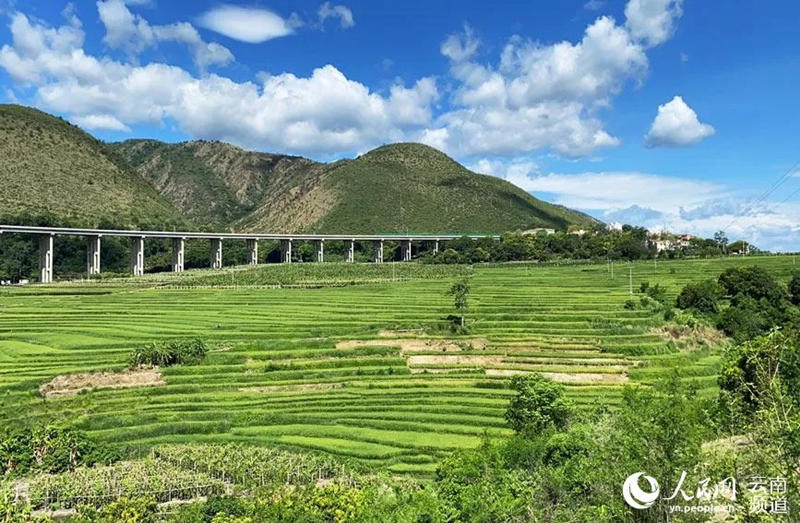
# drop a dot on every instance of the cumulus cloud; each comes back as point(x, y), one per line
point(247, 24)
point(538, 96)
point(675, 125)
point(535, 96)
point(519, 167)
point(342, 12)
point(104, 122)
point(652, 21)
point(133, 34)
point(325, 112)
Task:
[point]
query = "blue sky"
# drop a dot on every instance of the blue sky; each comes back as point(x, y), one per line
point(663, 113)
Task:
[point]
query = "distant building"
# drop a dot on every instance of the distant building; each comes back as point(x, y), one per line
point(579, 232)
point(539, 230)
point(23, 282)
point(683, 240)
point(661, 245)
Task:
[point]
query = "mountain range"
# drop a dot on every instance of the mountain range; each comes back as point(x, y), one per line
point(49, 167)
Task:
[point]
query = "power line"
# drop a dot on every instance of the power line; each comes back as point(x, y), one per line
point(772, 188)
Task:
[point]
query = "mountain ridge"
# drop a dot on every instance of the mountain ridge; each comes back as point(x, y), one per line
point(213, 185)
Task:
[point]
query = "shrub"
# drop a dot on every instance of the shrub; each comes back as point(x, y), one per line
point(539, 404)
point(794, 289)
point(630, 304)
point(751, 369)
point(703, 297)
point(47, 449)
point(175, 352)
point(124, 510)
point(656, 292)
point(754, 282)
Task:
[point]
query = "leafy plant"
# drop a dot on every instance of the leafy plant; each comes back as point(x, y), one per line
point(539, 404)
point(165, 354)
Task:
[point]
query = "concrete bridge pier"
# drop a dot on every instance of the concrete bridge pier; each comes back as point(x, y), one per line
point(216, 253)
point(286, 251)
point(379, 251)
point(435, 247)
point(319, 247)
point(178, 254)
point(46, 258)
point(137, 255)
point(405, 249)
point(252, 251)
point(93, 255)
point(349, 251)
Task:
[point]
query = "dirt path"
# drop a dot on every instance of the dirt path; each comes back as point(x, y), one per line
point(72, 384)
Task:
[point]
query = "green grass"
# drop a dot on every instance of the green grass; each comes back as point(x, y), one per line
point(273, 376)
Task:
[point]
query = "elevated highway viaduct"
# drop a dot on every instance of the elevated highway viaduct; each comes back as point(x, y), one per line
point(93, 237)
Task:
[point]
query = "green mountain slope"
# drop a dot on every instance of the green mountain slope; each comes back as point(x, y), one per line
point(49, 167)
point(212, 183)
point(408, 187)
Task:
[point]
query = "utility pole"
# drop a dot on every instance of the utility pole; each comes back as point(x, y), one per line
point(630, 279)
point(612, 270)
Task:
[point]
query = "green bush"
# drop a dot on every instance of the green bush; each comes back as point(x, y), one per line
point(755, 282)
point(164, 354)
point(749, 370)
point(630, 304)
point(704, 297)
point(47, 449)
point(794, 289)
point(539, 404)
point(124, 510)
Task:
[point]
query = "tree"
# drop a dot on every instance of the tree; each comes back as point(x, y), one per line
point(703, 297)
point(755, 282)
point(722, 240)
point(539, 404)
point(460, 293)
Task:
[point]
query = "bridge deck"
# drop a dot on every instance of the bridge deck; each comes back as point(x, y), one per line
point(233, 236)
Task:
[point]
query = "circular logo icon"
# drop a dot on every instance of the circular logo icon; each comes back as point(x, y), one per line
point(635, 496)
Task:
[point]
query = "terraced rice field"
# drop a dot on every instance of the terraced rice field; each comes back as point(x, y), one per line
point(361, 370)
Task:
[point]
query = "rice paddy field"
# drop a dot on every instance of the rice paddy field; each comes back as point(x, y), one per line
point(349, 359)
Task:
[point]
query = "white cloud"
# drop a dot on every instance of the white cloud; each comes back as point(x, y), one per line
point(320, 114)
point(618, 190)
point(514, 169)
point(593, 5)
point(659, 202)
point(538, 96)
point(105, 122)
point(342, 12)
point(675, 125)
point(652, 21)
point(459, 47)
point(133, 34)
point(247, 24)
